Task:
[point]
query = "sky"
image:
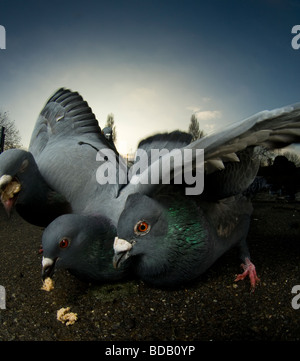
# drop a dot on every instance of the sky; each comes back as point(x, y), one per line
point(151, 63)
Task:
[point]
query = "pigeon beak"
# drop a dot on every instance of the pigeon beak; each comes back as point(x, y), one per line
point(121, 248)
point(4, 181)
point(48, 266)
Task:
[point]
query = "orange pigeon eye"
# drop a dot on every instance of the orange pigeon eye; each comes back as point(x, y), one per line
point(64, 243)
point(141, 228)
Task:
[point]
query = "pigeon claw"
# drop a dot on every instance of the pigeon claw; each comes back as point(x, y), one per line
point(249, 270)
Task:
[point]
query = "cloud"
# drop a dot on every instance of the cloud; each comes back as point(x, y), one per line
point(208, 115)
point(207, 118)
point(194, 108)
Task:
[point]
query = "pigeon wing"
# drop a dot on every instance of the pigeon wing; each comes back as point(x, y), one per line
point(174, 140)
point(65, 114)
point(271, 129)
point(65, 142)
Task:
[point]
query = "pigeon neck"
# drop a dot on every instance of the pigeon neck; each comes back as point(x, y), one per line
point(186, 242)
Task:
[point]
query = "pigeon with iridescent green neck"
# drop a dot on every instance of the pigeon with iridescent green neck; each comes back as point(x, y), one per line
point(171, 238)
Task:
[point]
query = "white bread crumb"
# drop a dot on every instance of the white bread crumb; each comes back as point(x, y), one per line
point(48, 285)
point(64, 316)
point(10, 190)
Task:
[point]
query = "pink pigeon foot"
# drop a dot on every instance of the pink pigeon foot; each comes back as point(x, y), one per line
point(249, 270)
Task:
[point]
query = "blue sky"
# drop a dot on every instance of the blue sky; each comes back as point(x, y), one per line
point(150, 63)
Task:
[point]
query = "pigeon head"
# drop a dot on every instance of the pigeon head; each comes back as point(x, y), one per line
point(81, 244)
point(160, 239)
point(16, 166)
point(141, 224)
point(22, 187)
point(108, 132)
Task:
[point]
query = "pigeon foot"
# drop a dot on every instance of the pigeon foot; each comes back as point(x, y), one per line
point(249, 270)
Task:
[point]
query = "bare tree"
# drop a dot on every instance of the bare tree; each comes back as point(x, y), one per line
point(194, 128)
point(12, 135)
point(110, 122)
point(266, 156)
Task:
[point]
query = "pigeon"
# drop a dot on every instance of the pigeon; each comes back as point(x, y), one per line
point(170, 236)
point(108, 133)
point(68, 146)
point(23, 187)
point(83, 245)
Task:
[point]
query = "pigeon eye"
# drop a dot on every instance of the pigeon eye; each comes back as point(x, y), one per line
point(142, 228)
point(64, 243)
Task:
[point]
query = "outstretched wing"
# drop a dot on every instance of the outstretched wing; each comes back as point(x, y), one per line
point(271, 129)
point(174, 140)
point(65, 142)
point(65, 114)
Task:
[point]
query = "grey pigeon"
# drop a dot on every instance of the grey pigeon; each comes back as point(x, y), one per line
point(170, 237)
point(32, 197)
point(82, 245)
point(65, 143)
point(58, 176)
point(108, 133)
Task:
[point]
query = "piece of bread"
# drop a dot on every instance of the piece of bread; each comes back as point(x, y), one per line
point(64, 316)
point(48, 284)
point(10, 190)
